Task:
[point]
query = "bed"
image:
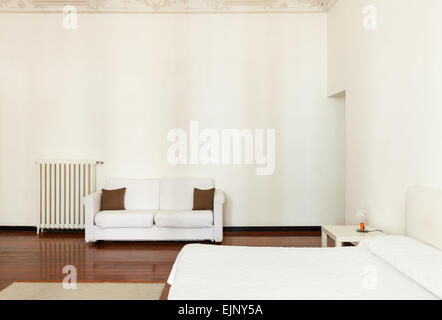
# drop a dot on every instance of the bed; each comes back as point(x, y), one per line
point(388, 267)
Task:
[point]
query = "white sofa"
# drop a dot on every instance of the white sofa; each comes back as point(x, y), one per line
point(156, 209)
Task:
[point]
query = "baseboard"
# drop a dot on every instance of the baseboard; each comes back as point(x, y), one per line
point(34, 229)
point(271, 229)
point(63, 230)
point(18, 228)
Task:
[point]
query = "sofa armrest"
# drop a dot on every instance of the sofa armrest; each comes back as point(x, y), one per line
point(92, 205)
point(218, 203)
point(219, 197)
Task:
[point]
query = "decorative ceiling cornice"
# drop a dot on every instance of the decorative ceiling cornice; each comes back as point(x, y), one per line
point(168, 6)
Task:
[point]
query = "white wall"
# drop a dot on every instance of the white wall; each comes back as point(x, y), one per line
point(393, 84)
point(113, 88)
point(337, 50)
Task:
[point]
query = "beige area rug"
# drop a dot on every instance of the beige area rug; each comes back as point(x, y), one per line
point(84, 291)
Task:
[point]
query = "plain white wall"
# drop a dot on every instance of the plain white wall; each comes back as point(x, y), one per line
point(337, 48)
point(393, 84)
point(113, 88)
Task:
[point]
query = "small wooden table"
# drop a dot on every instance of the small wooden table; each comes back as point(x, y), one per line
point(346, 234)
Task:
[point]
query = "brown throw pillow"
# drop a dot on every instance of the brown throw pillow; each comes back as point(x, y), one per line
point(203, 199)
point(112, 199)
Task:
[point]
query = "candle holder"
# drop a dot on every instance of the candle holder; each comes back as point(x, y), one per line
point(363, 219)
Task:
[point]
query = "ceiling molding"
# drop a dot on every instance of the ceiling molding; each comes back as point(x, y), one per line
point(167, 6)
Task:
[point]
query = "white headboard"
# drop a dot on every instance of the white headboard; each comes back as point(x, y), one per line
point(423, 217)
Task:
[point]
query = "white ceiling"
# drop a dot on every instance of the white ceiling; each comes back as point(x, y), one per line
point(167, 6)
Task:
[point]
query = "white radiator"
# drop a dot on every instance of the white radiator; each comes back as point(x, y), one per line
point(61, 186)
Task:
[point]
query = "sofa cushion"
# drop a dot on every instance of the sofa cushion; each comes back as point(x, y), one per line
point(177, 194)
point(184, 218)
point(141, 194)
point(125, 219)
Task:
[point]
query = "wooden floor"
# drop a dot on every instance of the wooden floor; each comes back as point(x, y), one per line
point(24, 256)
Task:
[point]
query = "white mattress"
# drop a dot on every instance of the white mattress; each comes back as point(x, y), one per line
point(224, 272)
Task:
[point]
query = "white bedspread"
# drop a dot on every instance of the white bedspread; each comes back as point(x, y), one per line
point(225, 272)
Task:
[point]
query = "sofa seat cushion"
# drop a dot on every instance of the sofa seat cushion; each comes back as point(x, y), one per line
point(184, 218)
point(125, 219)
